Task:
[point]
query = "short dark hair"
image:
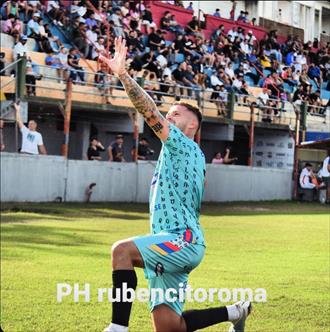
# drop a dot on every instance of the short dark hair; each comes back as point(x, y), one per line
point(192, 109)
point(308, 165)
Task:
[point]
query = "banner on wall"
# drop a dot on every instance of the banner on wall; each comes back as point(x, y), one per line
point(273, 150)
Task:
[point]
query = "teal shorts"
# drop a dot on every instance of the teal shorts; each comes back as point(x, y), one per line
point(168, 259)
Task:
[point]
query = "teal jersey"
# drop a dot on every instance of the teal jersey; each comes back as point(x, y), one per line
point(177, 187)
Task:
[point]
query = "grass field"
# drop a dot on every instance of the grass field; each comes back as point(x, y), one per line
point(282, 247)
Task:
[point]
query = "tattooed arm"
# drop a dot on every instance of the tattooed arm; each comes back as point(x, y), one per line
point(142, 102)
point(145, 105)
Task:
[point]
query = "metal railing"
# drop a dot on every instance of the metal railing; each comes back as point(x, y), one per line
point(282, 111)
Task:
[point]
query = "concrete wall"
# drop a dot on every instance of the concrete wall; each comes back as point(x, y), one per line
point(44, 178)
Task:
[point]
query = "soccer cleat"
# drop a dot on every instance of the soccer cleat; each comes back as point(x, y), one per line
point(244, 309)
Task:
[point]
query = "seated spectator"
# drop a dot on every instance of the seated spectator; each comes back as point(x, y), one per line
point(315, 74)
point(93, 152)
point(147, 20)
point(190, 7)
point(315, 103)
point(265, 105)
point(73, 63)
point(20, 48)
point(178, 75)
point(299, 95)
point(305, 177)
point(55, 13)
point(12, 26)
point(192, 27)
point(151, 86)
point(116, 18)
point(54, 62)
point(156, 40)
point(165, 21)
point(32, 142)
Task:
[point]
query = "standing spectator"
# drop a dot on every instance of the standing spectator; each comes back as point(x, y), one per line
point(217, 13)
point(190, 7)
point(2, 144)
point(54, 62)
point(144, 151)
point(103, 82)
point(324, 173)
point(116, 149)
point(93, 152)
point(218, 160)
point(31, 78)
point(98, 48)
point(32, 141)
point(75, 69)
point(232, 11)
point(222, 101)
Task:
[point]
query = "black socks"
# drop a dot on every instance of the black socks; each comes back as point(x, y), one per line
point(199, 319)
point(122, 310)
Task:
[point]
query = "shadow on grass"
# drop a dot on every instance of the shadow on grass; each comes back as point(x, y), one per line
point(61, 250)
point(25, 234)
point(137, 211)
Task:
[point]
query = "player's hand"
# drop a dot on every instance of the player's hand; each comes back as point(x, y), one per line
point(118, 63)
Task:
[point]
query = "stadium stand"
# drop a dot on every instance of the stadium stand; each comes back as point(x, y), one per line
point(242, 57)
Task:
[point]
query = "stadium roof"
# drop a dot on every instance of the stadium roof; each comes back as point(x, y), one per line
point(318, 145)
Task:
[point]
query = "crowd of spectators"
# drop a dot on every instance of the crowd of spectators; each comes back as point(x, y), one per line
point(228, 61)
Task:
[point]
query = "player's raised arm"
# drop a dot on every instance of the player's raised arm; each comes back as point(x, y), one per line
point(142, 102)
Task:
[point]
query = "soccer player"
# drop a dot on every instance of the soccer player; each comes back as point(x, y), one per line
point(176, 245)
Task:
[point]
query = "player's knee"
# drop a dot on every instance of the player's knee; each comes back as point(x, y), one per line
point(119, 249)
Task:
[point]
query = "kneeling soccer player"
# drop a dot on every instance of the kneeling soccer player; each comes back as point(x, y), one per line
point(176, 245)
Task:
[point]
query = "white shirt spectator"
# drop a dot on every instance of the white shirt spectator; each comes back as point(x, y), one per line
point(223, 95)
point(91, 37)
point(20, 50)
point(237, 83)
point(167, 71)
point(324, 171)
point(245, 47)
point(97, 49)
point(264, 97)
point(52, 4)
point(233, 34)
point(230, 72)
point(30, 141)
point(304, 179)
point(215, 80)
point(161, 60)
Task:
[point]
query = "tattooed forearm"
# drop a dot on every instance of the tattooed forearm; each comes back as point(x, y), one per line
point(143, 103)
point(157, 127)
